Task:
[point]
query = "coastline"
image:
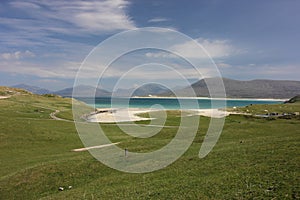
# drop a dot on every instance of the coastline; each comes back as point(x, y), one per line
point(115, 115)
point(207, 98)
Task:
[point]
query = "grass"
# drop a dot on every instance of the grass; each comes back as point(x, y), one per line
point(254, 158)
point(265, 108)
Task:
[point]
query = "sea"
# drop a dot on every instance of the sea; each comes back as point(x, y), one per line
point(173, 103)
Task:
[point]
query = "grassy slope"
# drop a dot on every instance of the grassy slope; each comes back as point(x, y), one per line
point(253, 158)
point(295, 99)
point(263, 108)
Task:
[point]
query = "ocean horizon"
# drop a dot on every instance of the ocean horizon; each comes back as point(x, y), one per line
point(170, 103)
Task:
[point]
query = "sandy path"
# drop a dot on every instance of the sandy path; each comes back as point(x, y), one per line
point(95, 147)
point(52, 115)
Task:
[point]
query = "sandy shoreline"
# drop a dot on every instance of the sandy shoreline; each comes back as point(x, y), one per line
point(113, 115)
point(4, 97)
point(208, 98)
point(109, 115)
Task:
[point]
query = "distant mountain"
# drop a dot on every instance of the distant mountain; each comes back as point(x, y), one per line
point(85, 90)
point(123, 92)
point(246, 89)
point(150, 89)
point(234, 88)
point(33, 89)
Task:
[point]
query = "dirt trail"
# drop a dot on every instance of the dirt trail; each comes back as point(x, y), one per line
point(95, 147)
point(4, 97)
point(52, 115)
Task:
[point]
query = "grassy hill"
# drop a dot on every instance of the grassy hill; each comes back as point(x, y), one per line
point(8, 91)
point(254, 158)
point(295, 99)
point(33, 89)
point(85, 91)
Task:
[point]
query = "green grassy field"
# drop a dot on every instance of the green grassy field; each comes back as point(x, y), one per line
point(255, 158)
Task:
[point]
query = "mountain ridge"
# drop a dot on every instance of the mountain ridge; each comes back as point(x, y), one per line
point(33, 89)
point(256, 88)
point(85, 90)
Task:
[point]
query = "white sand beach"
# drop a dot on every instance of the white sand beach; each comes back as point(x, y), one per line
point(4, 97)
point(209, 98)
point(110, 115)
point(214, 113)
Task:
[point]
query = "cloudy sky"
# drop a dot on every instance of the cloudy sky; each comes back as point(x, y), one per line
point(44, 42)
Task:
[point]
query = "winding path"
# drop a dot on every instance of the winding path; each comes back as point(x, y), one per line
point(52, 115)
point(95, 147)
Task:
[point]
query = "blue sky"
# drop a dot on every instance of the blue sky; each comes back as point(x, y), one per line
point(43, 42)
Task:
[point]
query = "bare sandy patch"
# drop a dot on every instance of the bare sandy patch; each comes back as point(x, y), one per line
point(95, 147)
point(118, 115)
point(110, 115)
point(214, 113)
point(4, 97)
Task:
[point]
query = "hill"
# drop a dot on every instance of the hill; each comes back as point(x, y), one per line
point(295, 99)
point(67, 92)
point(280, 89)
point(251, 159)
point(9, 91)
point(85, 90)
point(247, 89)
point(33, 89)
point(150, 89)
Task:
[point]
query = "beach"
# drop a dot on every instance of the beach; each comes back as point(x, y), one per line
point(123, 112)
point(209, 98)
point(109, 115)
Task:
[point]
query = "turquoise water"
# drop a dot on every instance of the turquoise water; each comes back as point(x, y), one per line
point(171, 103)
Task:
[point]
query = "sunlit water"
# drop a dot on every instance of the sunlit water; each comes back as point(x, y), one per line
point(172, 103)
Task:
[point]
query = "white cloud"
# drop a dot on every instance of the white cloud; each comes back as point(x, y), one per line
point(68, 70)
point(24, 5)
point(46, 25)
point(190, 49)
point(223, 65)
point(160, 55)
point(158, 19)
point(73, 17)
point(17, 55)
point(214, 48)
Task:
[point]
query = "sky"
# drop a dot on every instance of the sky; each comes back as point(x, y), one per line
point(44, 42)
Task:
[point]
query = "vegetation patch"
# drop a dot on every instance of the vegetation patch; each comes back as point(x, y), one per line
point(255, 158)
